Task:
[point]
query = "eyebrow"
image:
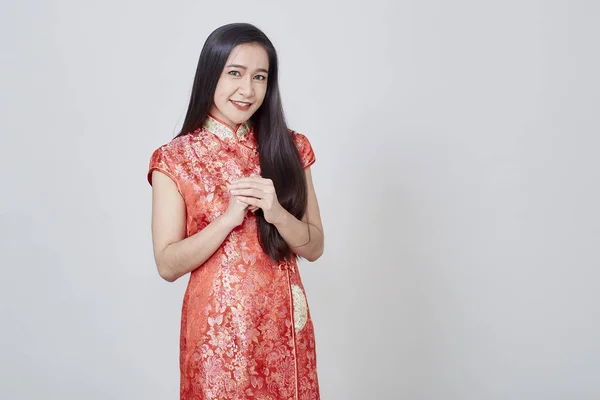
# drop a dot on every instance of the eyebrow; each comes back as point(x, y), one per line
point(242, 67)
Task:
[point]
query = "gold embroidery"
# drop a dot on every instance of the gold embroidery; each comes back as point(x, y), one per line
point(300, 308)
point(227, 352)
point(223, 131)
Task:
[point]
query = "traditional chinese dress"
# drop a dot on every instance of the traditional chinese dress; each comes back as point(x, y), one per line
point(246, 330)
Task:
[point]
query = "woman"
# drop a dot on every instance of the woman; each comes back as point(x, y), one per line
point(233, 203)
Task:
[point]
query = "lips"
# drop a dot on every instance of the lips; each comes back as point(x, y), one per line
point(241, 105)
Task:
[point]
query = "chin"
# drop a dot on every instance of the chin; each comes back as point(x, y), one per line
point(240, 118)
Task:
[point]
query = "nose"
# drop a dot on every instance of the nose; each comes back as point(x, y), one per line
point(246, 88)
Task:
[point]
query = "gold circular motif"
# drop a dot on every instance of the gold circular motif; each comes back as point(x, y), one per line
point(300, 308)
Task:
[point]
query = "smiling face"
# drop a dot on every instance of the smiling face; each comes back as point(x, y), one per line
point(242, 86)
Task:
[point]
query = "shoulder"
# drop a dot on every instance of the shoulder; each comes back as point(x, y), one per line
point(173, 150)
point(305, 149)
point(168, 156)
point(176, 144)
point(300, 139)
point(296, 134)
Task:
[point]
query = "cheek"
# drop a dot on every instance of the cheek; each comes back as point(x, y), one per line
point(260, 94)
point(223, 91)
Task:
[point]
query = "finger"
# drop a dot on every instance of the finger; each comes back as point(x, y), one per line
point(265, 188)
point(242, 185)
point(252, 177)
point(246, 185)
point(259, 194)
point(241, 202)
point(248, 179)
point(252, 201)
point(252, 181)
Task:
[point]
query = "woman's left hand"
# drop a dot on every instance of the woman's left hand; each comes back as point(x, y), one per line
point(260, 193)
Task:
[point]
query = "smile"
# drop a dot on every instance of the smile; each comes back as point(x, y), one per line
point(241, 105)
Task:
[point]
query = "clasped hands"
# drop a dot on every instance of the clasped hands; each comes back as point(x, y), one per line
point(258, 192)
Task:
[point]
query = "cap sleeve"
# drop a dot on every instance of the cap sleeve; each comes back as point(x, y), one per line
point(160, 161)
point(307, 155)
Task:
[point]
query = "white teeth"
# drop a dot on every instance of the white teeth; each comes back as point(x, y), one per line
point(241, 104)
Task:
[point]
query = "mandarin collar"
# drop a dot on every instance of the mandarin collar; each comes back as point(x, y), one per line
point(224, 131)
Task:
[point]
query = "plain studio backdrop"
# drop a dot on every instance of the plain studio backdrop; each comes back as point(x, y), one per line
point(457, 173)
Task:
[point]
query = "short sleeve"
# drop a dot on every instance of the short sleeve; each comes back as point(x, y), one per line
point(307, 155)
point(159, 161)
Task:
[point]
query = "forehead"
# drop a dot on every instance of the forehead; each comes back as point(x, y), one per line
point(250, 55)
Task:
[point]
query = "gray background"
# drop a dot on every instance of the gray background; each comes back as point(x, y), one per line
point(457, 174)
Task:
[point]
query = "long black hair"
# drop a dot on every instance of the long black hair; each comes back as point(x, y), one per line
point(278, 154)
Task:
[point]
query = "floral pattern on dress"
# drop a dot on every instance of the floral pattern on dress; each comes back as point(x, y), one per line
point(241, 312)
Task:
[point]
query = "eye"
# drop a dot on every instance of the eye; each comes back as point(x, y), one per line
point(260, 77)
point(234, 73)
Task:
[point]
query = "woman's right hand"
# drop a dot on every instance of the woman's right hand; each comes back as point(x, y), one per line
point(236, 211)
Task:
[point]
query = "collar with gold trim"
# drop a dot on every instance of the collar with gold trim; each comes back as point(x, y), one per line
point(224, 131)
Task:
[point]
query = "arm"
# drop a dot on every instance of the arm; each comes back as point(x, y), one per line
point(305, 237)
point(174, 254)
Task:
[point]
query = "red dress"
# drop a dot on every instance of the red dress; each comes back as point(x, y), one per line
point(246, 330)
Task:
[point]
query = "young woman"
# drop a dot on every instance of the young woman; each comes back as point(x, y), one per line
point(234, 204)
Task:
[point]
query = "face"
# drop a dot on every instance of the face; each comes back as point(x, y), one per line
point(242, 86)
